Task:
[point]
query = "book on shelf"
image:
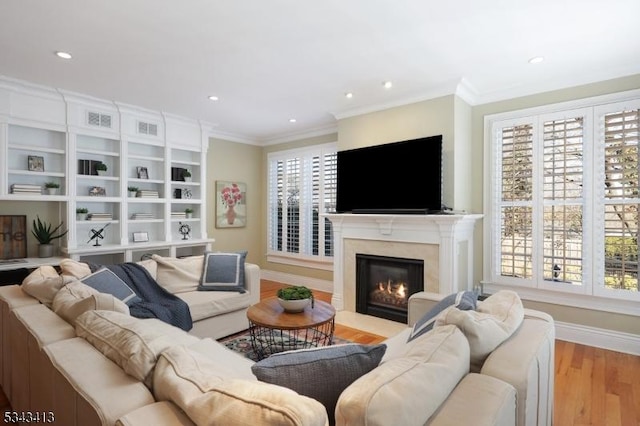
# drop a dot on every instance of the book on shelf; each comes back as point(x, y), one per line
point(138, 216)
point(20, 188)
point(147, 194)
point(100, 216)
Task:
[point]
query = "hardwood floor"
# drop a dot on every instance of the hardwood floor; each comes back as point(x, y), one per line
point(593, 386)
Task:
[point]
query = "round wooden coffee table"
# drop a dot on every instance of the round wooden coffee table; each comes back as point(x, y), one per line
point(273, 330)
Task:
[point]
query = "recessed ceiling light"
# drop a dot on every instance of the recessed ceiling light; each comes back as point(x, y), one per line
point(64, 55)
point(292, 120)
point(348, 95)
point(387, 84)
point(213, 98)
point(536, 60)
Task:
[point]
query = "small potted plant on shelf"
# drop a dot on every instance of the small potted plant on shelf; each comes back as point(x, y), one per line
point(295, 299)
point(52, 187)
point(133, 191)
point(188, 212)
point(81, 213)
point(44, 234)
point(186, 175)
point(101, 168)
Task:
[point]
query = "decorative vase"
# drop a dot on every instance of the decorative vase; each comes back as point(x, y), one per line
point(294, 306)
point(231, 215)
point(45, 250)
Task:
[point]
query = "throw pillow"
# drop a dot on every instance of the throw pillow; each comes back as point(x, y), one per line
point(76, 298)
point(463, 300)
point(320, 373)
point(105, 281)
point(223, 271)
point(73, 268)
point(43, 284)
point(178, 275)
point(495, 320)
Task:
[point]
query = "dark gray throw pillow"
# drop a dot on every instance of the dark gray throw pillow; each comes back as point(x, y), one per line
point(105, 281)
point(320, 373)
point(463, 300)
point(223, 272)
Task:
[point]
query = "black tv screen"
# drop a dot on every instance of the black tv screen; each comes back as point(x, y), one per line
point(400, 177)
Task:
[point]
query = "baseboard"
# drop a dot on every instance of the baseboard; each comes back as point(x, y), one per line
point(576, 333)
point(599, 337)
point(291, 279)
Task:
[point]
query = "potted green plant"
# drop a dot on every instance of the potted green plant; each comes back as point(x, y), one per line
point(186, 175)
point(52, 187)
point(295, 299)
point(81, 213)
point(133, 191)
point(101, 168)
point(188, 212)
point(44, 234)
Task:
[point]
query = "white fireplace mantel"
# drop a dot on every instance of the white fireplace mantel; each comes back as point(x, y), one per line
point(451, 233)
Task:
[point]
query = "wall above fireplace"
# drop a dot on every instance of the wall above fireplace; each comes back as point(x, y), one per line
point(444, 242)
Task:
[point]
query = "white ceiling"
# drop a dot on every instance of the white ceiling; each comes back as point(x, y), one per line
point(272, 60)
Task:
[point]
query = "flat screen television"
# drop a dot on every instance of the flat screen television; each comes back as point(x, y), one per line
point(394, 178)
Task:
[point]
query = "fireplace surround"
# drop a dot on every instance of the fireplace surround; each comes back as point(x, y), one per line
point(443, 242)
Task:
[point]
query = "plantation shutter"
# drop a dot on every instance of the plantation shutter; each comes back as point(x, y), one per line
point(621, 199)
point(515, 204)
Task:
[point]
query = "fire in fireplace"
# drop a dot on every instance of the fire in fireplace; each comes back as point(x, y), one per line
point(384, 284)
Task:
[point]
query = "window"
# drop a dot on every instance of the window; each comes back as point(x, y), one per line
point(563, 197)
point(302, 186)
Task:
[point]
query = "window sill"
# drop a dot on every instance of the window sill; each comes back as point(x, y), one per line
point(325, 264)
point(618, 306)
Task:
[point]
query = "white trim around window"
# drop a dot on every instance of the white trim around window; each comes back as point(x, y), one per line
point(582, 276)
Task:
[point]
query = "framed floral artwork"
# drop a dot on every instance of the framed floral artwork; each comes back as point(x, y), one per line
point(231, 207)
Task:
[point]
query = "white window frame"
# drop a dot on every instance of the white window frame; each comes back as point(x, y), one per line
point(590, 295)
point(319, 261)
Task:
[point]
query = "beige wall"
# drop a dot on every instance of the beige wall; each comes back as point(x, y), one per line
point(237, 162)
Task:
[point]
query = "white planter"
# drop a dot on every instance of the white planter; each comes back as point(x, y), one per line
point(45, 250)
point(52, 191)
point(189, 215)
point(294, 306)
point(132, 194)
point(102, 172)
point(81, 216)
point(187, 179)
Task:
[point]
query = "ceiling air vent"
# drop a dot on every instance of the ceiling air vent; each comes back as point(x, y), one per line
point(147, 128)
point(98, 119)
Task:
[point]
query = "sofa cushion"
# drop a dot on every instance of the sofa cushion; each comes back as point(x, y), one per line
point(179, 275)
point(43, 284)
point(105, 281)
point(76, 298)
point(463, 300)
point(320, 373)
point(407, 390)
point(202, 388)
point(73, 268)
point(205, 304)
point(223, 271)
point(134, 344)
point(495, 319)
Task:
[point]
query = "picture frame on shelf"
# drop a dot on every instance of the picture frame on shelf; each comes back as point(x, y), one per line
point(231, 207)
point(13, 245)
point(97, 191)
point(140, 237)
point(35, 163)
point(143, 173)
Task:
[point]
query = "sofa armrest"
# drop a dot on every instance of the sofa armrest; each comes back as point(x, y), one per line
point(526, 361)
point(252, 281)
point(164, 413)
point(420, 303)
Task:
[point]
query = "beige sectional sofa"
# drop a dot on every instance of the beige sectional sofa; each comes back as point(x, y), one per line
point(108, 368)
